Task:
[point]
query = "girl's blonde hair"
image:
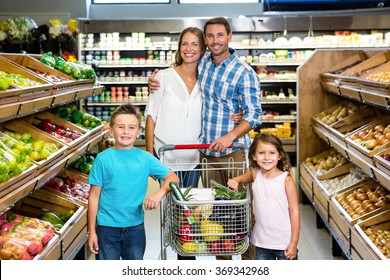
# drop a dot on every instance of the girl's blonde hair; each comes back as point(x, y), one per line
point(284, 162)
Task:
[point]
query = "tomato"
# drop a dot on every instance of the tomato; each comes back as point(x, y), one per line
point(185, 233)
point(228, 245)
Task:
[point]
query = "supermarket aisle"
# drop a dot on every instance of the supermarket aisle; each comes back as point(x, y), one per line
point(314, 244)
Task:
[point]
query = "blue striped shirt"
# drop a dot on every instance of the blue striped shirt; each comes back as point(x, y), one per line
point(228, 88)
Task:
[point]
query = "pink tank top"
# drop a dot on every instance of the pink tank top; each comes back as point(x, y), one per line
point(272, 228)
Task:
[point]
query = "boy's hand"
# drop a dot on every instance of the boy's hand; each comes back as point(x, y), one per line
point(93, 243)
point(153, 201)
point(233, 184)
point(153, 84)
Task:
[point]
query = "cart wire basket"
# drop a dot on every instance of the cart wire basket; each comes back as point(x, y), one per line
point(206, 218)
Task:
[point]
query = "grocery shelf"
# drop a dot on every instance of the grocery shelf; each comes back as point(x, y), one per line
point(124, 83)
point(115, 103)
point(277, 101)
point(165, 65)
point(285, 63)
point(308, 47)
point(281, 120)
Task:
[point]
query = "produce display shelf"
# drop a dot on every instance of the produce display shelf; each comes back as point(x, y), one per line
point(131, 65)
point(123, 82)
point(115, 103)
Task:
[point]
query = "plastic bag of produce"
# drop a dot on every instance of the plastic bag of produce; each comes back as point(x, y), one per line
point(5, 82)
point(48, 59)
point(59, 64)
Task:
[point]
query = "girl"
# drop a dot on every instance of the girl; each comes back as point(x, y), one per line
point(275, 201)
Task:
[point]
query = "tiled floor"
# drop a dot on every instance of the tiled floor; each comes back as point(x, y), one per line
point(314, 244)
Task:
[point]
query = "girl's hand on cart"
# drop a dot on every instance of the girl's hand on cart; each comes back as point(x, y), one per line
point(233, 184)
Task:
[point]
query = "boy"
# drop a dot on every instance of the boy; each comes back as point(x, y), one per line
point(119, 179)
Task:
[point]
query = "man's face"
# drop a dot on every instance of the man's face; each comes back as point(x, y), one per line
point(218, 40)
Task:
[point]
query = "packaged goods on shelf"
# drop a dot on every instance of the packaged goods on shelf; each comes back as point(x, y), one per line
point(23, 237)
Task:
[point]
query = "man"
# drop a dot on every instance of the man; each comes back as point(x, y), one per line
point(228, 87)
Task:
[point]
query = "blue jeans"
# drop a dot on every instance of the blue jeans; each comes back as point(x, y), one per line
point(188, 178)
point(121, 243)
point(269, 254)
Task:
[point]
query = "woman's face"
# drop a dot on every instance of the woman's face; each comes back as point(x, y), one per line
point(190, 48)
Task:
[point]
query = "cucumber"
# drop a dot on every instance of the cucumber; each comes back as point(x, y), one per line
point(51, 218)
point(66, 215)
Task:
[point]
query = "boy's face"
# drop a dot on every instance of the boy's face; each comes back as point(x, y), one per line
point(126, 130)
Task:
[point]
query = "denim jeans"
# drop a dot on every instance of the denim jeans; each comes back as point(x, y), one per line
point(121, 243)
point(188, 178)
point(269, 254)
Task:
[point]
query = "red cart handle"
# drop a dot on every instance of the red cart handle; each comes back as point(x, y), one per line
point(196, 146)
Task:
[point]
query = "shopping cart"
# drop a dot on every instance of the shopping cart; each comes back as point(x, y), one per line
point(211, 219)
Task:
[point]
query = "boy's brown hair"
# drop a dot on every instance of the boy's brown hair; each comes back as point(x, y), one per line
point(126, 109)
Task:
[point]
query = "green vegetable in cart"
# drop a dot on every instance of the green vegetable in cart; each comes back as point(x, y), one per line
point(224, 193)
point(183, 197)
point(241, 247)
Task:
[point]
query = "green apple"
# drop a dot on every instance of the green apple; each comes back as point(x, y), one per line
point(26, 137)
point(38, 145)
point(44, 153)
point(35, 156)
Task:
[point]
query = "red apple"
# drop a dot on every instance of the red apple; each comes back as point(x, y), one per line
point(228, 245)
point(214, 247)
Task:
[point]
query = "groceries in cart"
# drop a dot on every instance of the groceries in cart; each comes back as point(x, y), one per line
point(207, 221)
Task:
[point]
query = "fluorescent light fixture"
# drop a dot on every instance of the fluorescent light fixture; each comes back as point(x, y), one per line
point(217, 1)
point(131, 1)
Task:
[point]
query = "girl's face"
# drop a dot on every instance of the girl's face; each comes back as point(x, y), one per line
point(266, 156)
point(125, 131)
point(190, 48)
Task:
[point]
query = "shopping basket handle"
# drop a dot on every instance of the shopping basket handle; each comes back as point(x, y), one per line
point(196, 146)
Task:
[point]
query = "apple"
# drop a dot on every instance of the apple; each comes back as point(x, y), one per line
point(214, 247)
point(228, 245)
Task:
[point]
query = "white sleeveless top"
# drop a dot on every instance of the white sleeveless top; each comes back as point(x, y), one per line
point(272, 228)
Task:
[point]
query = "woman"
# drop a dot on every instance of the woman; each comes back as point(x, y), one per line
point(174, 111)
